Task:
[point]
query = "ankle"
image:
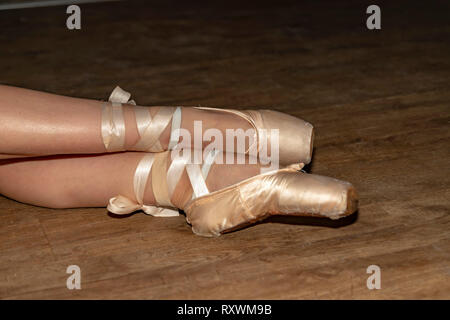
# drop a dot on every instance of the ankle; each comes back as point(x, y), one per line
point(220, 176)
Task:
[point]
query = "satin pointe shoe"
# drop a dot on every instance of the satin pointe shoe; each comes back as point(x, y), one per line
point(295, 136)
point(287, 191)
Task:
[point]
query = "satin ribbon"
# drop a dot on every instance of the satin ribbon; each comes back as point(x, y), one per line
point(113, 123)
point(113, 127)
point(123, 205)
point(121, 96)
point(150, 128)
point(163, 183)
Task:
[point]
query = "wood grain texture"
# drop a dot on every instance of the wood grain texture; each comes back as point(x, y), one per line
point(380, 103)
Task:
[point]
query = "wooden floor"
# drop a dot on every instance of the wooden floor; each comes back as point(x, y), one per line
point(380, 103)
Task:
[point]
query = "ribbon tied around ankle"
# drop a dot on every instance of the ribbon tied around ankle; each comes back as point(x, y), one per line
point(123, 205)
point(164, 181)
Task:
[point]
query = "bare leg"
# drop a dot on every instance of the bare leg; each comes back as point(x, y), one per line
point(38, 123)
point(90, 180)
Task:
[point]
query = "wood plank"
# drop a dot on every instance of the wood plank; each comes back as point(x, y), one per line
point(380, 105)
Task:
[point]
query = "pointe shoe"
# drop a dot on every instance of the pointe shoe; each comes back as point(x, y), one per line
point(295, 136)
point(286, 191)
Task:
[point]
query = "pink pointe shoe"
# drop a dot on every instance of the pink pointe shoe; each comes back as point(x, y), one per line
point(286, 191)
point(295, 136)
